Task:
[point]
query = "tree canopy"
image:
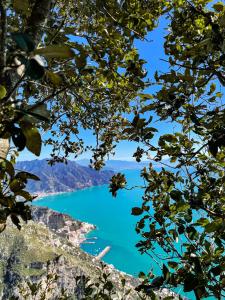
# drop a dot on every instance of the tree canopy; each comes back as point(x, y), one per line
point(66, 65)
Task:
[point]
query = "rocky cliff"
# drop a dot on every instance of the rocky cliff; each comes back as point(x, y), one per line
point(45, 253)
point(61, 224)
point(44, 261)
point(61, 177)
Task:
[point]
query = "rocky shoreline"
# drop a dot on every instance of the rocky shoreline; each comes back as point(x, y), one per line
point(40, 195)
point(48, 247)
point(62, 224)
point(75, 232)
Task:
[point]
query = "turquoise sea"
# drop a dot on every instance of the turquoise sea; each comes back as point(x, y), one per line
point(114, 222)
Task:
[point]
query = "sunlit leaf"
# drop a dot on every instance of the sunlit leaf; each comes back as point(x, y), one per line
point(21, 6)
point(54, 78)
point(33, 138)
point(55, 51)
point(219, 6)
point(3, 92)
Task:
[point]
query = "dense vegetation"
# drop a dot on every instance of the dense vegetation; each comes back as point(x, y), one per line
point(67, 65)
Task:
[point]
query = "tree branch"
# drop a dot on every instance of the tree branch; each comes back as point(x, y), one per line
point(4, 148)
point(3, 25)
point(38, 18)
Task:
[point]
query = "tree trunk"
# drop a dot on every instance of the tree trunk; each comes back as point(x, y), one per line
point(35, 24)
point(4, 148)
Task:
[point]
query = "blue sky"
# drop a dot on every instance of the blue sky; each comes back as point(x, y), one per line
point(151, 51)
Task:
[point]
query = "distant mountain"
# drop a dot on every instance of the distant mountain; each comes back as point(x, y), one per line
point(117, 165)
point(61, 177)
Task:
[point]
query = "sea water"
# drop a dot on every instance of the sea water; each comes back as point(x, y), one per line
point(115, 226)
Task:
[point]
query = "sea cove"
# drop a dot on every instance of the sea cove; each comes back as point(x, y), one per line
point(112, 217)
point(114, 222)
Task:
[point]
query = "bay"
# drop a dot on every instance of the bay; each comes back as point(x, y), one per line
point(115, 226)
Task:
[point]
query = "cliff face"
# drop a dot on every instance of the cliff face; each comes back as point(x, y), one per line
point(61, 224)
point(45, 254)
point(62, 177)
point(43, 248)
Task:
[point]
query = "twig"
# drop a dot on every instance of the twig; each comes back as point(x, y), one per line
point(57, 31)
point(4, 100)
point(192, 156)
point(186, 66)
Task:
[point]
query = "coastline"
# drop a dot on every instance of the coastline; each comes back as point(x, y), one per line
point(40, 195)
point(77, 237)
point(75, 231)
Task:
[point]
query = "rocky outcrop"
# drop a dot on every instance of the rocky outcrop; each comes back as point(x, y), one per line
point(45, 254)
point(42, 262)
point(62, 224)
point(61, 177)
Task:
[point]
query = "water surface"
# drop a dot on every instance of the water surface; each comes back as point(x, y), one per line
point(114, 222)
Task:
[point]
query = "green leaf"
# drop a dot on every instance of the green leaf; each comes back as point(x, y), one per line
point(212, 87)
point(25, 195)
point(214, 226)
point(40, 112)
point(166, 273)
point(219, 95)
point(176, 195)
point(173, 264)
point(2, 226)
point(55, 51)
point(34, 69)
point(33, 138)
point(108, 285)
point(18, 138)
point(21, 6)
point(16, 185)
point(169, 138)
point(145, 96)
point(152, 295)
point(54, 78)
point(7, 201)
point(23, 41)
point(213, 148)
point(16, 221)
point(3, 92)
point(219, 6)
point(202, 222)
point(35, 114)
point(8, 167)
point(136, 211)
point(26, 175)
point(141, 275)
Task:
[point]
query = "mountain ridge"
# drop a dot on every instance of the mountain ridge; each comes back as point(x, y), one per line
point(62, 177)
point(44, 261)
point(117, 165)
